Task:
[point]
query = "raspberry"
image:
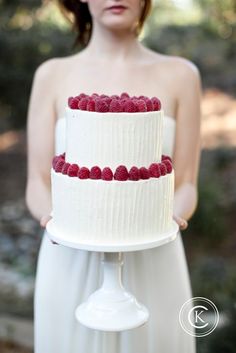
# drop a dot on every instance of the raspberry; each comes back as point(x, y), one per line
point(168, 165)
point(95, 95)
point(83, 103)
point(156, 103)
point(115, 106)
point(62, 155)
point(142, 97)
point(65, 168)
point(54, 161)
point(114, 96)
point(134, 173)
point(165, 157)
point(82, 95)
point(73, 103)
point(124, 95)
point(122, 103)
point(163, 168)
point(91, 105)
point(83, 173)
point(101, 106)
point(121, 173)
point(154, 170)
point(141, 105)
point(102, 96)
point(95, 173)
point(59, 165)
point(108, 100)
point(144, 173)
point(129, 106)
point(107, 174)
point(73, 170)
point(149, 105)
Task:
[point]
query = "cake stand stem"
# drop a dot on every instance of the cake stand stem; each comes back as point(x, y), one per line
point(112, 263)
point(111, 307)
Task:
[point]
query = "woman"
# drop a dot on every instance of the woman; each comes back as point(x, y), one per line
point(113, 61)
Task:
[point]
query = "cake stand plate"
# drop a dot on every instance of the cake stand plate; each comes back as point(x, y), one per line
point(63, 239)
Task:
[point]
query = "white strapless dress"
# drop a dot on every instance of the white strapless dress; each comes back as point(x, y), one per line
point(65, 277)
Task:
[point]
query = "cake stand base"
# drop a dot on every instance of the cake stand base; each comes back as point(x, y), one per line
point(111, 307)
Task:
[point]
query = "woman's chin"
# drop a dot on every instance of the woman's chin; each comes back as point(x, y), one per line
point(118, 26)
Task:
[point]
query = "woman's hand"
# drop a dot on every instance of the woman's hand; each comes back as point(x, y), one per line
point(43, 222)
point(182, 223)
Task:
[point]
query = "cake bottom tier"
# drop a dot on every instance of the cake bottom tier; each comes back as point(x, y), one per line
point(98, 211)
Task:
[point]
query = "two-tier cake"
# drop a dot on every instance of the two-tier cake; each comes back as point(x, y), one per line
point(112, 185)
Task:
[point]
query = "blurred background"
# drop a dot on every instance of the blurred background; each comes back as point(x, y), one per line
point(203, 31)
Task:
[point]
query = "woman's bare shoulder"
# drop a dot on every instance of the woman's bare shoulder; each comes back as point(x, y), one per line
point(54, 67)
point(175, 65)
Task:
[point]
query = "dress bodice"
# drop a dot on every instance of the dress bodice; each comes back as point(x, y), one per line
point(168, 135)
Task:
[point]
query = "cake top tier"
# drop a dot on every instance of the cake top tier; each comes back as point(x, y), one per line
point(114, 103)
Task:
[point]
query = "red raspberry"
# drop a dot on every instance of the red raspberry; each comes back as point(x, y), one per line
point(168, 165)
point(121, 173)
point(141, 105)
point(73, 103)
point(149, 105)
point(142, 97)
point(165, 157)
point(124, 95)
point(83, 103)
point(62, 155)
point(102, 96)
point(134, 173)
point(91, 105)
point(163, 168)
point(108, 100)
point(59, 165)
point(154, 170)
point(101, 106)
point(129, 106)
point(95, 95)
point(122, 103)
point(107, 174)
point(156, 103)
point(54, 161)
point(144, 173)
point(82, 95)
point(114, 96)
point(83, 173)
point(65, 168)
point(73, 170)
point(95, 173)
point(115, 106)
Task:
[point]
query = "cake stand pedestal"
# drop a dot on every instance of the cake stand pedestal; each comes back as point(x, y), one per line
point(111, 307)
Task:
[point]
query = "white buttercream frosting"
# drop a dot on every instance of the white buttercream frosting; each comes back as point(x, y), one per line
point(112, 139)
point(114, 211)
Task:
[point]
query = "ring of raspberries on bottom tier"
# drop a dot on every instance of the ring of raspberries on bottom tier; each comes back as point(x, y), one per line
point(155, 170)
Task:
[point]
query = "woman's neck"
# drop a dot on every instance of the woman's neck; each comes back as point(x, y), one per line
point(112, 46)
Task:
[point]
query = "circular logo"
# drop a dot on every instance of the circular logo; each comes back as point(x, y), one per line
point(198, 316)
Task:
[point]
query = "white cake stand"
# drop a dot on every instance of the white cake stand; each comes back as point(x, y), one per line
point(111, 307)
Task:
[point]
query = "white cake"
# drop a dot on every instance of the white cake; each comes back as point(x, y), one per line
point(98, 211)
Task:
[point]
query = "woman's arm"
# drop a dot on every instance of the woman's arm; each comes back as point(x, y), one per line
point(187, 142)
point(40, 140)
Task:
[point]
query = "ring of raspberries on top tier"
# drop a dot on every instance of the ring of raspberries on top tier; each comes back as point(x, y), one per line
point(114, 103)
point(155, 170)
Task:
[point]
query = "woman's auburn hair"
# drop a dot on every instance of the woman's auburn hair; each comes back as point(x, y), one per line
point(82, 20)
